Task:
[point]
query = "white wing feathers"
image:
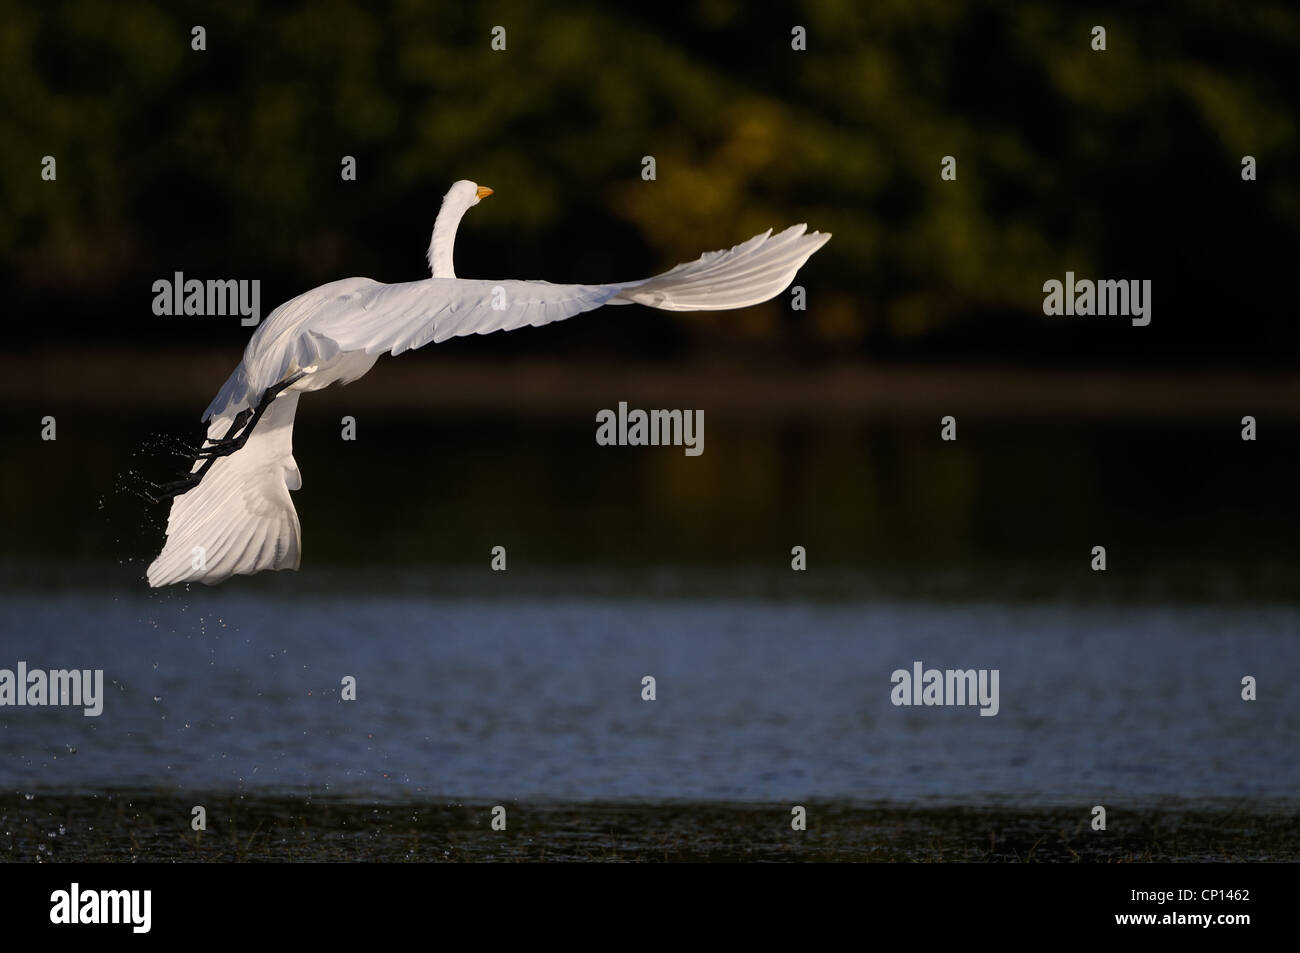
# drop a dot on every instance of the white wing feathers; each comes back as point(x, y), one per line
point(362, 315)
point(396, 318)
point(240, 518)
point(751, 272)
point(283, 342)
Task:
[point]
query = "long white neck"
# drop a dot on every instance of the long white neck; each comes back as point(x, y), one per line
point(444, 236)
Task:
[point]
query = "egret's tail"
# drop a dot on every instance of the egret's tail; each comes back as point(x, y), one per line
point(240, 518)
point(751, 272)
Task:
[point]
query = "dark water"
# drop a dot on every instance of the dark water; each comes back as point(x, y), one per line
point(756, 700)
point(524, 688)
point(872, 495)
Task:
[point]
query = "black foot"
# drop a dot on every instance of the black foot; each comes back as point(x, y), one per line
point(162, 492)
point(220, 448)
point(235, 437)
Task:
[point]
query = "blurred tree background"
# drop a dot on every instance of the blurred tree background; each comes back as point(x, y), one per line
point(1125, 163)
point(226, 163)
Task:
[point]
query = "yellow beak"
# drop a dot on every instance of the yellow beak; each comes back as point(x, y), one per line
point(483, 192)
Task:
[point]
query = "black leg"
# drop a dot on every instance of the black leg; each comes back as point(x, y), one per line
point(233, 439)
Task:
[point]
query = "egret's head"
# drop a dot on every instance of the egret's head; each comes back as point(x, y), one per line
point(468, 194)
point(460, 198)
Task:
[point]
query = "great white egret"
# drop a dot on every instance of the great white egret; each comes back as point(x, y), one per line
point(233, 514)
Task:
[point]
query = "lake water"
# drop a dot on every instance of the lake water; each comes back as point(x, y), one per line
point(773, 687)
point(499, 696)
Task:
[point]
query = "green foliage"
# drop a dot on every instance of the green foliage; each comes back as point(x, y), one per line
point(1065, 156)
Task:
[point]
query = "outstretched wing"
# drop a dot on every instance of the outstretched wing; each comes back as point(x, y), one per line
point(240, 518)
point(749, 273)
point(396, 318)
